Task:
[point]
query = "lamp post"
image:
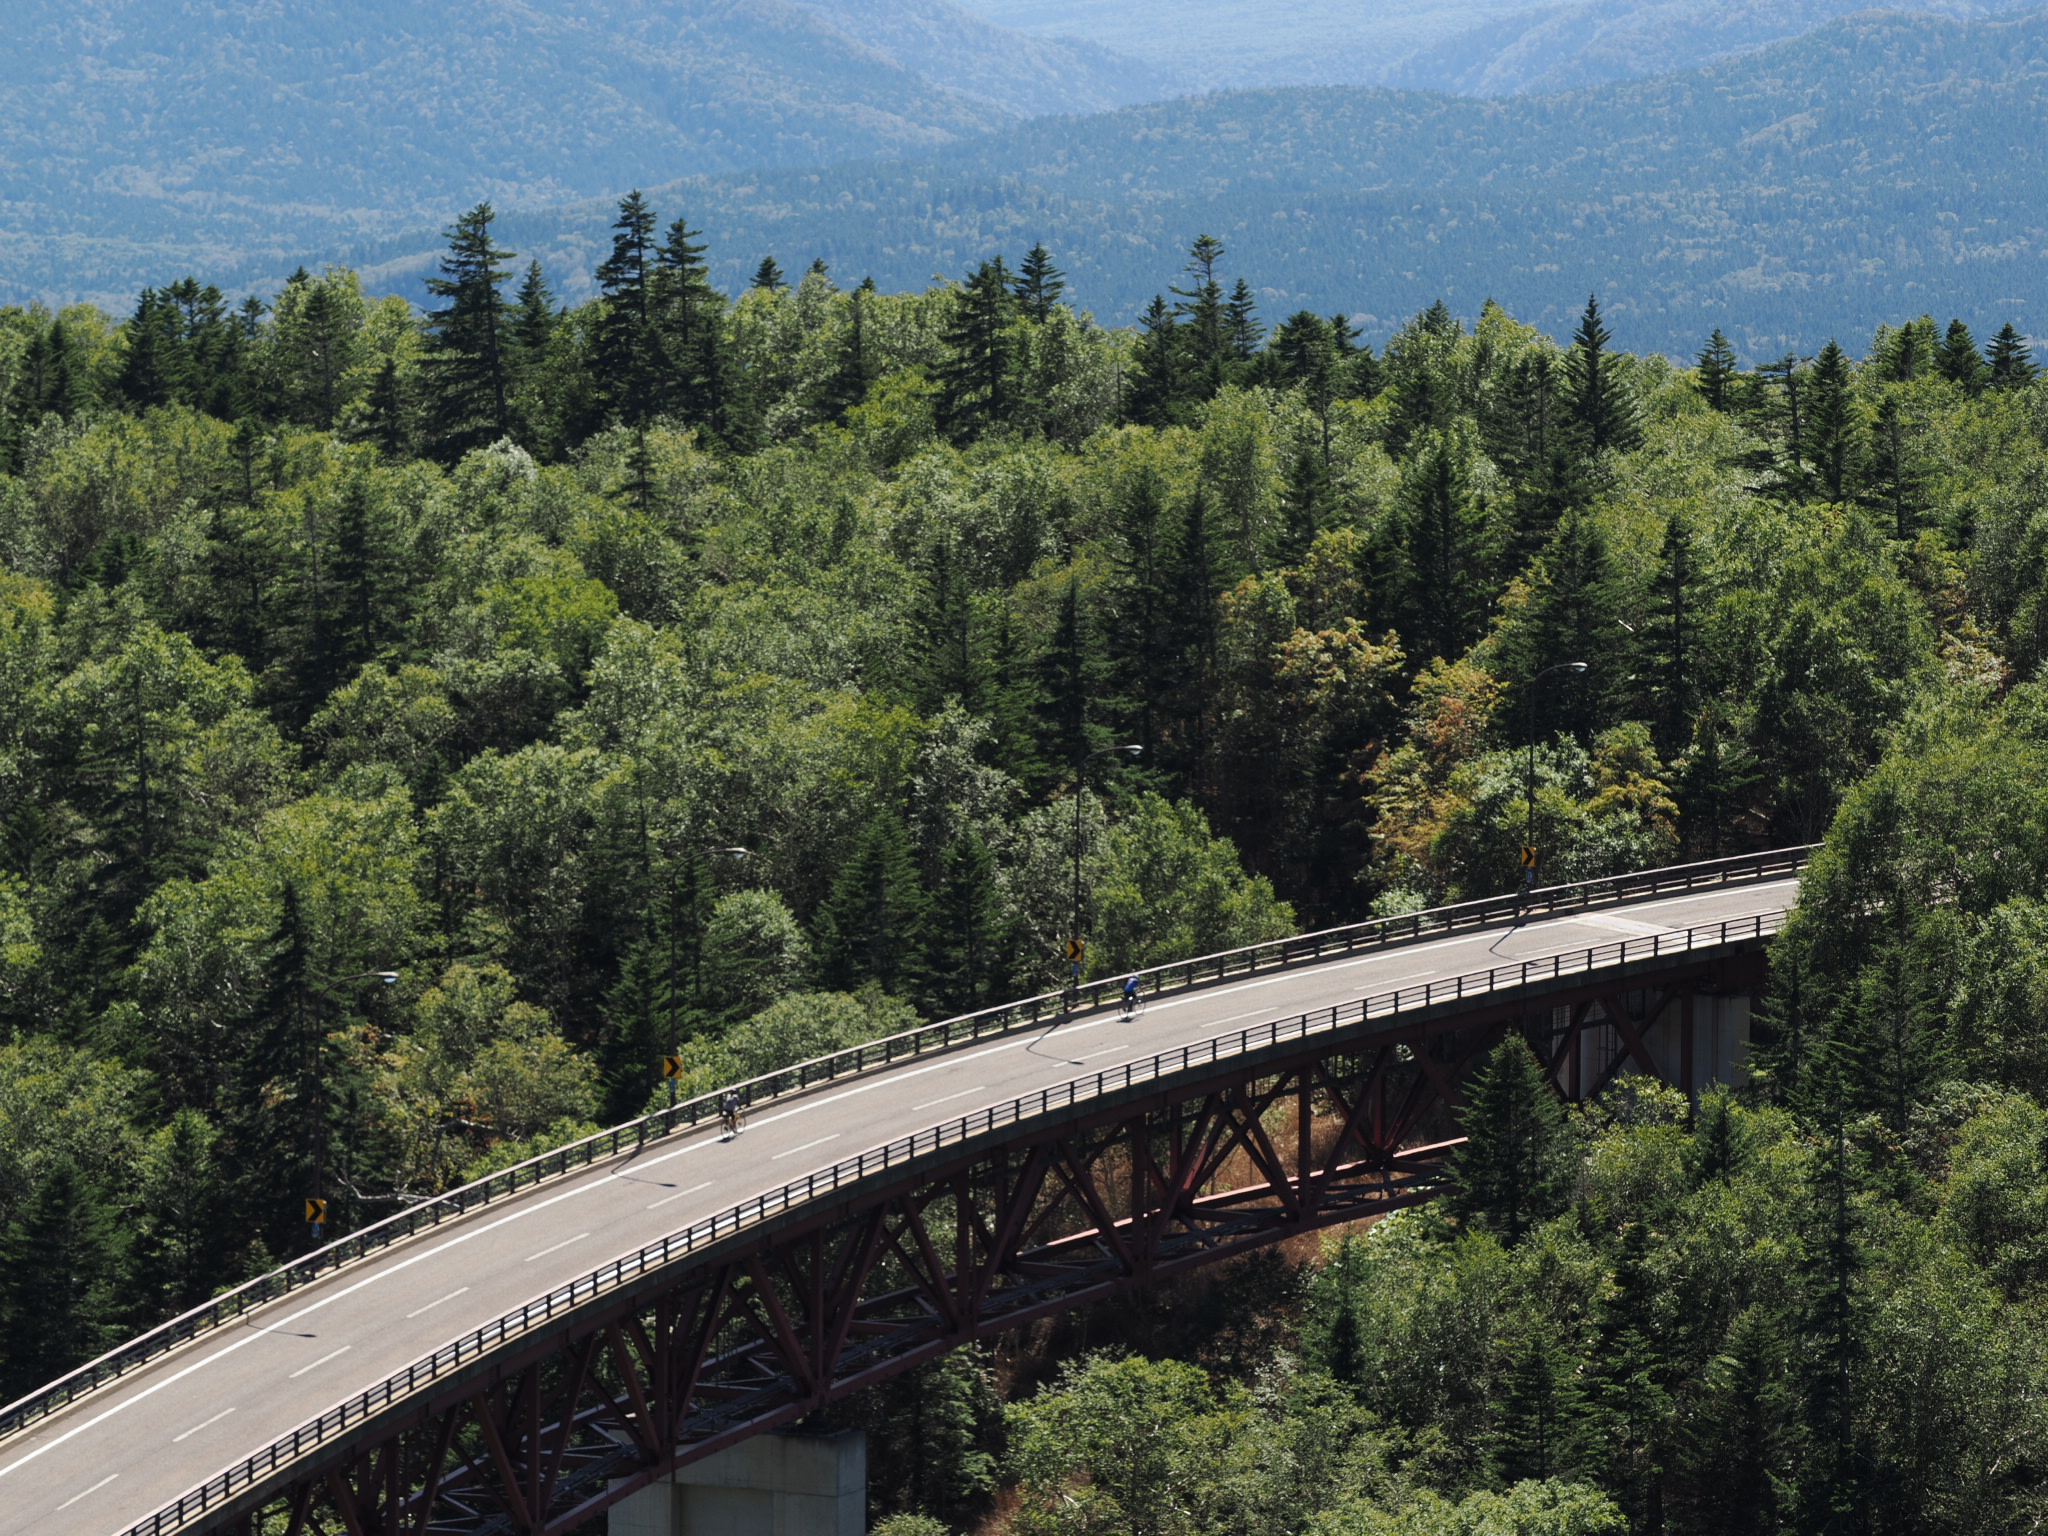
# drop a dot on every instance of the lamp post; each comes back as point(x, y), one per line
point(1529, 816)
point(675, 1040)
point(316, 1205)
point(1128, 749)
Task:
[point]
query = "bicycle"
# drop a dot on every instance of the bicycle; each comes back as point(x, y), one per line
point(735, 1119)
point(1134, 1007)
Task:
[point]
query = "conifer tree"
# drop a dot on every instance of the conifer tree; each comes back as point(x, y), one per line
point(1066, 683)
point(1039, 285)
point(1717, 374)
point(872, 927)
point(60, 1270)
point(1306, 352)
point(1141, 640)
point(1516, 1167)
point(942, 656)
point(1602, 410)
point(1891, 475)
point(1631, 1381)
point(687, 312)
point(1303, 501)
point(388, 422)
point(1736, 1457)
point(975, 378)
point(1571, 617)
point(153, 372)
point(1153, 397)
point(469, 363)
point(859, 363)
point(1830, 430)
point(1541, 1430)
point(1443, 557)
point(2011, 361)
point(768, 276)
point(534, 318)
point(1956, 359)
point(1667, 659)
point(1242, 323)
point(1206, 319)
point(964, 964)
point(625, 343)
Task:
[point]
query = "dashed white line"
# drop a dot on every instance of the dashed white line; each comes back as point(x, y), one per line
point(792, 1152)
point(95, 1488)
point(949, 1098)
point(665, 1199)
point(320, 1362)
point(557, 1248)
point(198, 1427)
point(433, 1304)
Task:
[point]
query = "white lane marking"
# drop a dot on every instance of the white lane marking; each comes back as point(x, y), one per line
point(1449, 941)
point(433, 1304)
point(665, 1199)
point(557, 1248)
point(792, 1152)
point(949, 1098)
point(295, 1375)
point(198, 1427)
point(95, 1488)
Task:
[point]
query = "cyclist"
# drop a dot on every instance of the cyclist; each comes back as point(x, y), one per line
point(729, 1111)
point(1130, 995)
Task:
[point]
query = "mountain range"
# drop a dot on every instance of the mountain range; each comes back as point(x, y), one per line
point(1883, 165)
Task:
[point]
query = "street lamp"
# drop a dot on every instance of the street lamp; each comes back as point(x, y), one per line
point(1529, 818)
point(387, 977)
point(1128, 749)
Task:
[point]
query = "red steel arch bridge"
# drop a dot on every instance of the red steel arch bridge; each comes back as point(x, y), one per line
point(520, 1354)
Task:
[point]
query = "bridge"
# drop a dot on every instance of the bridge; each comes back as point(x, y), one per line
point(521, 1354)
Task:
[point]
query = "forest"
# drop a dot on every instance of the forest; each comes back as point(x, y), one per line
point(677, 672)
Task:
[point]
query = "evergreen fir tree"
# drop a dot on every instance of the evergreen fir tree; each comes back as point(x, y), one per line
point(1907, 352)
point(1571, 617)
point(1306, 353)
point(1667, 659)
point(1716, 377)
point(1719, 1147)
point(942, 656)
point(1891, 475)
point(964, 964)
point(1141, 640)
point(1735, 1459)
point(1039, 285)
point(1242, 323)
point(1066, 683)
point(388, 418)
point(2011, 361)
point(1155, 394)
point(468, 366)
point(1603, 412)
point(1632, 1383)
point(1516, 1167)
point(154, 369)
point(872, 927)
point(975, 378)
point(625, 343)
point(1778, 416)
point(1956, 359)
point(1206, 318)
point(859, 363)
point(1830, 429)
point(688, 312)
point(1303, 501)
point(1441, 587)
point(1541, 1430)
point(768, 276)
point(60, 1270)
point(534, 319)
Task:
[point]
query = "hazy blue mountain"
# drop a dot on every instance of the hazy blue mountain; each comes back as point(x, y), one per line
point(1880, 166)
point(1573, 45)
point(951, 46)
point(138, 132)
point(1232, 44)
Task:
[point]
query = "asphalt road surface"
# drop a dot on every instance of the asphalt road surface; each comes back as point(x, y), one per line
point(120, 1454)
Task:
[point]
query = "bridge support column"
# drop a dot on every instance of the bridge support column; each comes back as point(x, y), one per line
point(771, 1485)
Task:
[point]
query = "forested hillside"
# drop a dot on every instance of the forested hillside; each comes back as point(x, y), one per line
point(680, 667)
point(1883, 165)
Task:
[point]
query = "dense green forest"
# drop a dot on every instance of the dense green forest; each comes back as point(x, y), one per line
point(681, 667)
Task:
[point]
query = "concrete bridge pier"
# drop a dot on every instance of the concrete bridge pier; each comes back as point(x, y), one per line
point(771, 1485)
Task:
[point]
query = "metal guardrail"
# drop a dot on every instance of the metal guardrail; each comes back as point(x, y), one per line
point(355, 1411)
point(966, 1029)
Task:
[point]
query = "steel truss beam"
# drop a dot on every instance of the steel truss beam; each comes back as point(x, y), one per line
point(1113, 1197)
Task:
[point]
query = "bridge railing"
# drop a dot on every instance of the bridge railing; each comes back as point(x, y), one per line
point(281, 1452)
point(966, 1029)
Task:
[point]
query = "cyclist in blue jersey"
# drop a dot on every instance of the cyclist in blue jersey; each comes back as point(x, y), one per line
point(1130, 995)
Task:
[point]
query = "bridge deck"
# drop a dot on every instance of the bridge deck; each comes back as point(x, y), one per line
point(121, 1453)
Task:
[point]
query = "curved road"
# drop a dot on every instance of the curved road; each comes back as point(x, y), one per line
point(121, 1453)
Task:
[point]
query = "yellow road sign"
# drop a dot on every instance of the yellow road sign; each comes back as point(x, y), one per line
point(671, 1066)
point(316, 1210)
point(1076, 949)
point(1528, 856)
